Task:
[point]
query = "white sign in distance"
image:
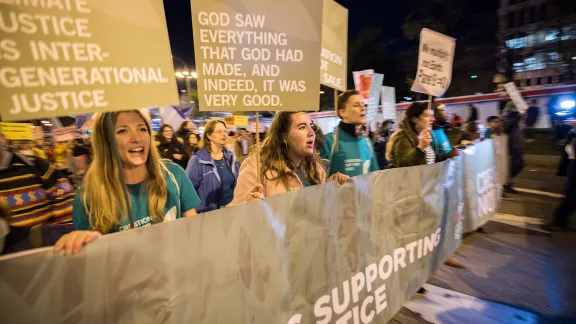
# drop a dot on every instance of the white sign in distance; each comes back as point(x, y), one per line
point(435, 61)
point(388, 103)
point(516, 97)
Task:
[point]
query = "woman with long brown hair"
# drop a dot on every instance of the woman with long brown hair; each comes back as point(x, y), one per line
point(288, 160)
point(127, 185)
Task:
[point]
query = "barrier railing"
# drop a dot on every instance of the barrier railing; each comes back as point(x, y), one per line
point(323, 254)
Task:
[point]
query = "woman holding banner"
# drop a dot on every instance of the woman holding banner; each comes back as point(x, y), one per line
point(213, 170)
point(288, 161)
point(127, 185)
point(410, 145)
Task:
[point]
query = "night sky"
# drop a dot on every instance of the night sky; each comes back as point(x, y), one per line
point(386, 14)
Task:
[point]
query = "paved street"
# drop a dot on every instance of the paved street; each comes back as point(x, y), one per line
point(515, 273)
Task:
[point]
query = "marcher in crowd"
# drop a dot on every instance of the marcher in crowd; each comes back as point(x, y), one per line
point(33, 193)
point(561, 220)
point(410, 145)
point(381, 141)
point(244, 142)
point(62, 156)
point(127, 186)
point(473, 119)
point(532, 115)
point(39, 151)
point(456, 122)
point(288, 160)
point(186, 128)
point(193, 141)
point(515, 143)
point(440, 143)
point(494, 127)
point(213, 170)
point(170, 147)
point(348, 149)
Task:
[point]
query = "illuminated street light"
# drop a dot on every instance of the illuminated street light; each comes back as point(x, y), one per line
point(321, 92)
point(185, 72)
point(182, 90)
point(179, 74)
point(194, 75)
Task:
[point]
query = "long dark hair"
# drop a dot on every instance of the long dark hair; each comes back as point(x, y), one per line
point(473, 114)
point(182, 131)
point(416, 109)
point(274, 153)
point(189, 150)
point(160, 135)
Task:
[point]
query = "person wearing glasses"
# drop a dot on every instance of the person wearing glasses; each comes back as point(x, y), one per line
point(214, 169)
point(348, 150)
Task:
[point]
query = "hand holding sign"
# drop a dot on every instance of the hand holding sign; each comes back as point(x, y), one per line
point(424, 140)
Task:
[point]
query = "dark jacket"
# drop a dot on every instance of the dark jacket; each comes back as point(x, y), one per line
point(514, 132)
point(403, 150)
point(168, 149)
point(380, 150)
point(204, 176)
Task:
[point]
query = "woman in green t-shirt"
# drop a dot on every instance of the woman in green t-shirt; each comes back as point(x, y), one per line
point(126, 186)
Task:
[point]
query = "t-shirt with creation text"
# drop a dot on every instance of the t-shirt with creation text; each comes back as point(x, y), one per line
point(176, 204)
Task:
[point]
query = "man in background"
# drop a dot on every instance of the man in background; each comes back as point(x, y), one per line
point(532, 115)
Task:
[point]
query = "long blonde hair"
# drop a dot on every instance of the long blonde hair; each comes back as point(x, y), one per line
point(274, 154)
point(208, 130)
point(105, 196)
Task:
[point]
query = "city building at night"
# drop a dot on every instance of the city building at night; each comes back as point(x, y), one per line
point(537, 42)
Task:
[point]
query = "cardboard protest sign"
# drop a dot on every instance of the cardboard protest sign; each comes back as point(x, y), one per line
point(334, 57)
point(17, 131)
point(64, 134)
point(374, 99)
point(388, 103)
point(516, 97)
point(75, 57)
point(363, 83)
point(237, 120)
point(250, 56)
point(434, 63)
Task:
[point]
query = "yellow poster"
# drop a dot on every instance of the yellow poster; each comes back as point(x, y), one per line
point(17, 131)
point(75, 57)
point(237, 120)
point(334, 56)
point(250, 56)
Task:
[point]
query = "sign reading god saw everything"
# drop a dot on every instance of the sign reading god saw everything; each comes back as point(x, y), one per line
point(65, 57)
point(252, 55)
point(434, 63)
point(334, 58)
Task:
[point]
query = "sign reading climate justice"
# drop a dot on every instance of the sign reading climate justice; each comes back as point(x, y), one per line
point(252, 55)
point(334, 57)
point(64, 57)
point(434, 63)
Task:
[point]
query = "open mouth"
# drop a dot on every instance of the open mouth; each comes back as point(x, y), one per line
point(137, 150)
point(310, 143)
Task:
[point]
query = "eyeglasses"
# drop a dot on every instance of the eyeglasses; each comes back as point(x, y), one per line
point(220, 132)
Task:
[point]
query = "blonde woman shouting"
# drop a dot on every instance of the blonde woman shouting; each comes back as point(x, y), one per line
point(126, 186)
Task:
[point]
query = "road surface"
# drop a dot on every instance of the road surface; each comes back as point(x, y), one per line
point(515, 273)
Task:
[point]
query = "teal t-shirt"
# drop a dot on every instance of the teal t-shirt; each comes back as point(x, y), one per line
point(488, 133)
point(355, 156)
point(440, 142)
point(176, 204)
point(301, 176)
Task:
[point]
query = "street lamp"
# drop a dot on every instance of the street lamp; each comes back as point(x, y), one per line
point(185, 74)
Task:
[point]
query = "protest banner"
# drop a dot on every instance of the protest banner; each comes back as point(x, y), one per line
point(516, 97)
point(501, 162)
point(38, 132)
point(237, 120)
point(363, 83)
point(17, 131)
point(334, 55)
point(481, 185)
point(285, 259)
point(64, 134)
point(249, 57)
point(388, 103)
point(435, 60)
point(74, 57)
point(374, 99)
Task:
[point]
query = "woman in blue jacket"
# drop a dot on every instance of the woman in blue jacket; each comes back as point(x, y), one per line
point(213, 170)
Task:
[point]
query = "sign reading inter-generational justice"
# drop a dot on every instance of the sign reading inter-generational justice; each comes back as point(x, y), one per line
point(17, 131)
point(516, 97)
point(334, 57)
point(252, 55)
point(389, 103)
point(78, 56)
point(434, 63)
